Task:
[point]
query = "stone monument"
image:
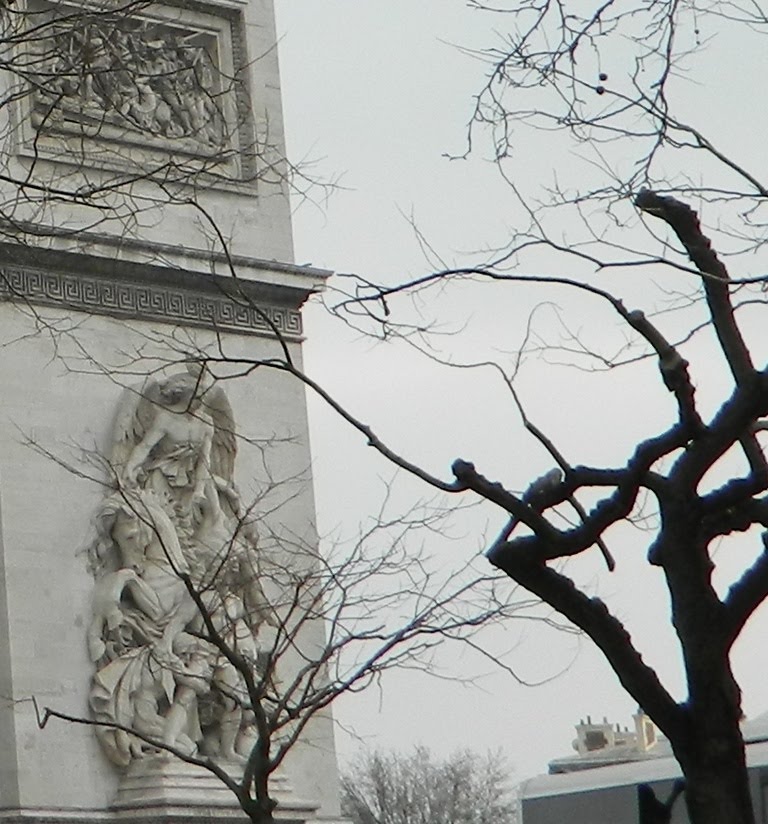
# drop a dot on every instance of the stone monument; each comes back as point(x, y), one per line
point(148, 473)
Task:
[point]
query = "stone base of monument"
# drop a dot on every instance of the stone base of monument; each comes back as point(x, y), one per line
point(161, 789)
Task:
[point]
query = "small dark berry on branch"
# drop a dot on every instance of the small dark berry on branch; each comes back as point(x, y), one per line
point(603, 76)
point(600, 89)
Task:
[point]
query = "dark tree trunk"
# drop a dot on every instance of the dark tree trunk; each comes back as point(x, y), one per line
point(716, 779)
point(708, 745)
point(259, 813)
point(718, 795)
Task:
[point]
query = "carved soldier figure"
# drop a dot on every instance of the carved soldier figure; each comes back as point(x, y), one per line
point(173, 546)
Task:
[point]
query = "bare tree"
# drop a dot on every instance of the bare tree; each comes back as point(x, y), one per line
point(417, 788)
point(610, 84)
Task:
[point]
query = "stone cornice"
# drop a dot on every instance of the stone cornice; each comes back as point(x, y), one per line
point(150, 293)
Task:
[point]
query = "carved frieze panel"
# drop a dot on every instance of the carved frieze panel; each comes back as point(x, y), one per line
point(242, 313)
point(138, 82)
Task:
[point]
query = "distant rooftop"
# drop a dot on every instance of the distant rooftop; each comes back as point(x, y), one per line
point(603, 744)
point(595, 770)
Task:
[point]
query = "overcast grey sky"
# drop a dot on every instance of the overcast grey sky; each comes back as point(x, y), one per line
point(378, 94)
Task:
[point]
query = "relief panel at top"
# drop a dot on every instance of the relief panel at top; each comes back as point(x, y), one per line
point(138, 82)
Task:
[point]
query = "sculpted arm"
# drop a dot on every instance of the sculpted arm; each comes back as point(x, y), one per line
point(141, 451)
point(203, 468)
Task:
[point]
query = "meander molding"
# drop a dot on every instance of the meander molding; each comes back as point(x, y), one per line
point(154, 293)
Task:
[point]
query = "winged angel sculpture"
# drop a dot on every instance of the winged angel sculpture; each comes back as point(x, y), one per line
point(173, 526)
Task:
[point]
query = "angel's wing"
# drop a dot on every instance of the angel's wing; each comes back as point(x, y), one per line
point(224, 445)
point(135, 414)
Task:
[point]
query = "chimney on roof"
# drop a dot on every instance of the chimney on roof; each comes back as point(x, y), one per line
point(645, 731)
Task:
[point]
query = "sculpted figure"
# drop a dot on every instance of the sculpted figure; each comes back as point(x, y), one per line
point(176, 437)
point(140, 603)
point(171, 545)
point(135, 74)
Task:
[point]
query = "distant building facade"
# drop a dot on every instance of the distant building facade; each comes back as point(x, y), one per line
point(599, 784)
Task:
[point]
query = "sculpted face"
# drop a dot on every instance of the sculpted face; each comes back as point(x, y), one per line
point(178, 390)
point(131, 536)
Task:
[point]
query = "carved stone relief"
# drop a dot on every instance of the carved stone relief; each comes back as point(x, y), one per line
point(137, 74)
point(158, 77)
point(174, 525)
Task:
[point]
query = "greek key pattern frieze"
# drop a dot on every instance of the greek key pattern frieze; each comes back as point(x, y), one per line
point(143, 301)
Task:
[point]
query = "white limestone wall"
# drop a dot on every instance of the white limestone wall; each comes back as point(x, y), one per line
point(46, 523)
